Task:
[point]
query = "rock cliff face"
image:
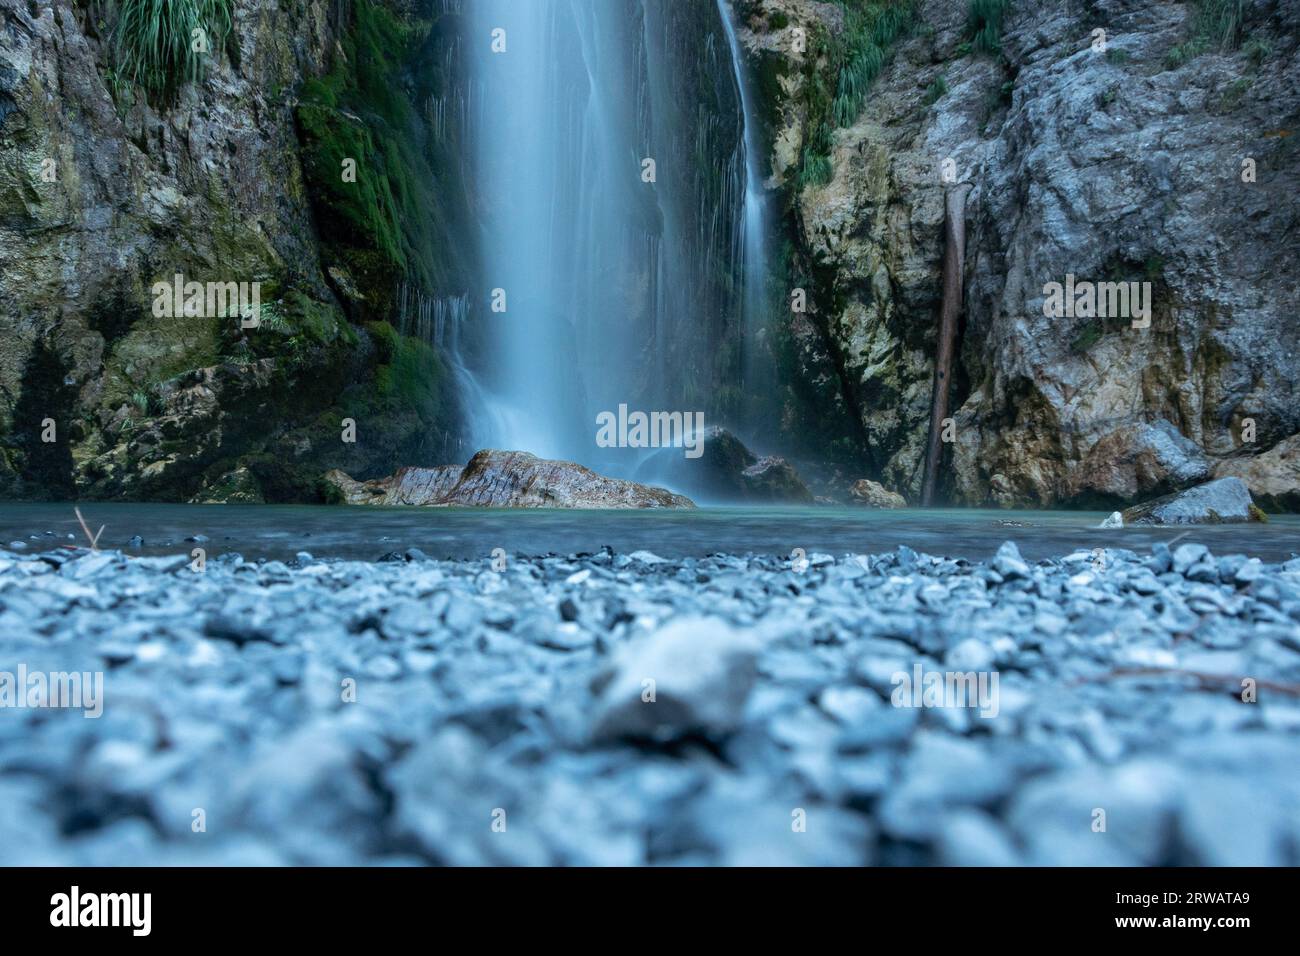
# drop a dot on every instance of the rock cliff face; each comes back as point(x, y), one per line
point(1164, 155)
point(108, 187)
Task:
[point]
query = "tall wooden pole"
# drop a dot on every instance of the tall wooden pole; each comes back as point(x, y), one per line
point(954, 258)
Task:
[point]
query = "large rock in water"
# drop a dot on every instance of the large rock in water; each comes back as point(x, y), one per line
point(504, 479)
point(1223, 500)
point(870, 494)
point(774, 479)
point(727, 471)
point(410, 486)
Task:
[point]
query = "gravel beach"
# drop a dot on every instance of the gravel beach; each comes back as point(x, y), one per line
point(623, 709)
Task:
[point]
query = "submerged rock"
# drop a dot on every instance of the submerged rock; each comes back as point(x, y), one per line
point(1222, 500)
point(870, 494)
point(504, 479)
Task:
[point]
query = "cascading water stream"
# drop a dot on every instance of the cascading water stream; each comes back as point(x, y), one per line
point(758, 372)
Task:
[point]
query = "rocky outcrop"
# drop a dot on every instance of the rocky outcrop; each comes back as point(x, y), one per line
point(503, 479)
point(1159, 157)
point(870, 494)
point(1273, 477)
point(1215, 502)
point(107, 188)
point(1134, 460)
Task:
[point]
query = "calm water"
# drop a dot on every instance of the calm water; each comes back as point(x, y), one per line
point(280, 531)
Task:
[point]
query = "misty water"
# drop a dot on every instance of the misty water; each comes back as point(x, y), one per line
point(281, 531)
point(622, 230)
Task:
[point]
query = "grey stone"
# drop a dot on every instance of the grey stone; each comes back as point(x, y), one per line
point(1008, 562)
point(1221, 500)
point(1188, 555)
point(702, 671)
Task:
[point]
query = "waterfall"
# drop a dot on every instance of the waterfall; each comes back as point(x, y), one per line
point(757, 367)
point(601, 288)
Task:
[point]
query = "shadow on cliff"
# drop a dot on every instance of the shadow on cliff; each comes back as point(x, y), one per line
point(43, 470)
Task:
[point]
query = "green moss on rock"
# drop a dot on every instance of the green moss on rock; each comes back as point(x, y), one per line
point(379, 221)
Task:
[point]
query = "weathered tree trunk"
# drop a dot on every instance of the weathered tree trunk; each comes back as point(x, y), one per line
point(954, 257)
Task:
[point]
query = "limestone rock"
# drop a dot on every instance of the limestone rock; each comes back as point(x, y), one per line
point(504, 479)
point(870, 494)
point(1115, 520)
point(516, 479)
point(1273, 477)
point(1221, 500)
point(410, 486)
point(1138, 461)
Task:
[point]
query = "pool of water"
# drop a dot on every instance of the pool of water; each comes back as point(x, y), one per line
point(280, 531)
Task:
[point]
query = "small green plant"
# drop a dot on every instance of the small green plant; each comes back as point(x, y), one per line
point(120, 89)
point(1256, 50)
point(272, 319)
point(856, 55)
point(816, 169)
point(936, 90)
point(1235, 93)
point(161, 44)
point(984, 24)
point(1219, 22)
point(869, 32)
point(1117, 56)
point(1088, 336)
point(1216, 25)
point(146, 402)
point(1184, 53)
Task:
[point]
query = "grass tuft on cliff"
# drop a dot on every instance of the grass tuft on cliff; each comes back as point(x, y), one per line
point(855, 56)
point(162, 44)
point(869, 33)
point(984, 24)
point(1216, 25)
